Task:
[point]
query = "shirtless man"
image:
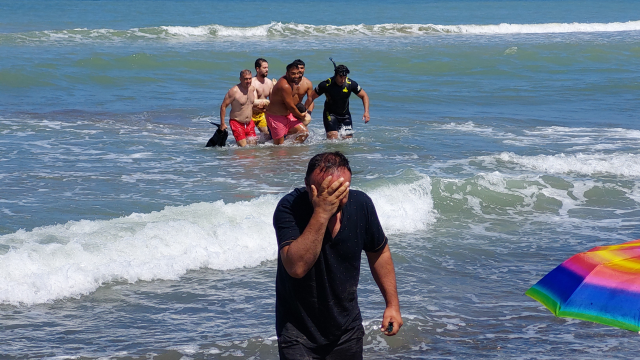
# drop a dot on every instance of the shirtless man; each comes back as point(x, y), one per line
point(305, 88)
point(241, 98)
point(282, 116)
point(263, 86)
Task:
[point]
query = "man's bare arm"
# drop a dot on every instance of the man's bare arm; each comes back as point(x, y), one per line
point(384, 274)
point(311, 97)
point(258, 106)
point(303, 252)
point(310, 92)
point(270, 88)
point(287, 97)
point(223, 108)
point(365, 101)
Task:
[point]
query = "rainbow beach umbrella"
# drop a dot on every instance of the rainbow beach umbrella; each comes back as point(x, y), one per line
point(601, 285)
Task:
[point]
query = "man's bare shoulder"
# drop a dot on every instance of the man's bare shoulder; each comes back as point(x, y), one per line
point(282, 84)
point(306, 83)
point(233, 91)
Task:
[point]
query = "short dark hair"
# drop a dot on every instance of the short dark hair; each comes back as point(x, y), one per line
point(291, 66)
point(341, 70)
point(244, 72)
point(298, 62)
point(259, 62)
point(327, 162)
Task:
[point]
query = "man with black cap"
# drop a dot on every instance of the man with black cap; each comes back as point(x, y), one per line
point(336, 115)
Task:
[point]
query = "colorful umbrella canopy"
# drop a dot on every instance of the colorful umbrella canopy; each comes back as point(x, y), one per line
point(601, 285)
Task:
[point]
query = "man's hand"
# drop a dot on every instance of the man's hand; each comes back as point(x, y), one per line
point(223, 127)
point(303, 252)
point(365, 117)
point(326, 199)
point(391, 315)
point(301, 118)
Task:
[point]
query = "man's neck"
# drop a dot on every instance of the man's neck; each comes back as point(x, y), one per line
point(334, 223)
point(261, 78)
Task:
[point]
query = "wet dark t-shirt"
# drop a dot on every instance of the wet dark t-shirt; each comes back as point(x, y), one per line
point(337, 97)
point(323, 304)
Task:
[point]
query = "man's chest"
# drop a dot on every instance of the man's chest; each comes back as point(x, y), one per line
point(343, 245)
point(338, 93)
point(242, 99)
point(263, 90)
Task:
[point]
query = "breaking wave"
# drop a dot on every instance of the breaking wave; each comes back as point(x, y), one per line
point(278, 30)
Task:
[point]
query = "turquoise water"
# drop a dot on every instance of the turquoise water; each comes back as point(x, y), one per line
point(503, 139)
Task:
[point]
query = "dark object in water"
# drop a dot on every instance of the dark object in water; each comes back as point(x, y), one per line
point(389, 327)
point(219, 138)
point(301, 108)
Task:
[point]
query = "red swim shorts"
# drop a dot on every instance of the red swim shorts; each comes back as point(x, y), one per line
point(279, 125)
point(242, 130)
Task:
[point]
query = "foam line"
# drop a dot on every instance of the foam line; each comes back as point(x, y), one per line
point(300, 31)
point(73, 259)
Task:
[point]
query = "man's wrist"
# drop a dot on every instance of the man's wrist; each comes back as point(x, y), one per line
point(393, 305)
point(321, 216)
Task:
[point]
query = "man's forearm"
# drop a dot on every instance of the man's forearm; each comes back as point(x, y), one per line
point(303, 252)
point(311, 98)
point(384, 274)
point(365, 102)
point(294, 110)
point(223, 112)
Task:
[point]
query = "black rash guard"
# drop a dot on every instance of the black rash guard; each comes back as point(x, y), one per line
point(337, 97)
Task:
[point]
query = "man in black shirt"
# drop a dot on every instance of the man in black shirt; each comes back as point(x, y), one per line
point(322, 230)
point(337, 90)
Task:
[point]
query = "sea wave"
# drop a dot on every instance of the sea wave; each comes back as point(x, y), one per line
point(617, 164)
point(76, 258)
point(279, 30)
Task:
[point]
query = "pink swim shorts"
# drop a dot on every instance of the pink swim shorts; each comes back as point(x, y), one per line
point(279, 125)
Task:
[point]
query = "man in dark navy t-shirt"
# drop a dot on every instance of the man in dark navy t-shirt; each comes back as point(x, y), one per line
point(322, 230)
point(337, 90)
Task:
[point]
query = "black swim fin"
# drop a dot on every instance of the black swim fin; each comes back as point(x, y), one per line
point(219, 138)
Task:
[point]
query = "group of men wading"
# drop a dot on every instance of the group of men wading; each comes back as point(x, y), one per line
point(276, 108)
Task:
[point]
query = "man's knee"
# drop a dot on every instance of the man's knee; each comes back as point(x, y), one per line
point(332, 135)
point(298, 129)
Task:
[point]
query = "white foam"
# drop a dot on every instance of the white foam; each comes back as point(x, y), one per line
point(635, 193)
point(471, 127)
point(548, 28)
point(76, 258)
point(622, 164)
point(562, 132)
point(405, 208)
point(187, 31)
point(279, 29)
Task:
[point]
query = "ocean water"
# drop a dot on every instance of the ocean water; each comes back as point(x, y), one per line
point(504, 138)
